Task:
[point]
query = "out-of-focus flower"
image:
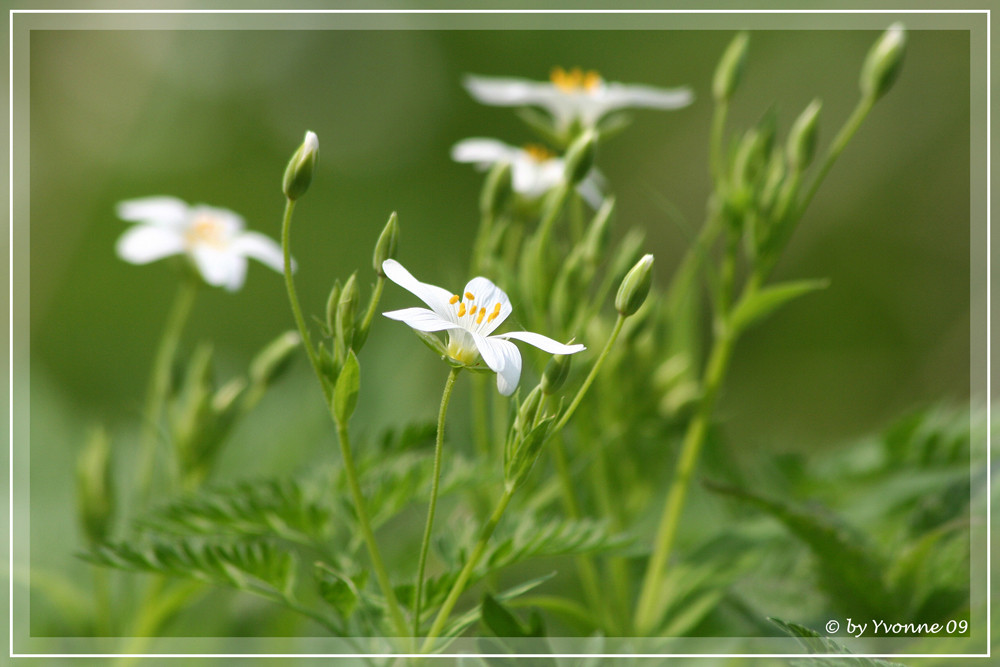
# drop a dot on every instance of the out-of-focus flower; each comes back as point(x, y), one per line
point(575, 95)
point(214, 239)
point(469, 319)
point(534, 169)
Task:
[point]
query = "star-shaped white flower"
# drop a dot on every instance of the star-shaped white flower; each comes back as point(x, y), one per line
point(469, 319)
point(534, 169)
point(213, 238)
point(575, 95)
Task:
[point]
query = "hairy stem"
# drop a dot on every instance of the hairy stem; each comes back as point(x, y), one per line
point(438, 447)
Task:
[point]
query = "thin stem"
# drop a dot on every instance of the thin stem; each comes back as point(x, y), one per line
point(715, 150)
point(590, 377)
point(648, 606)
point(837, 146)
point(366, 323)
point(463, 577)
point(438, 447)
point(343, 436)
point(159, 381)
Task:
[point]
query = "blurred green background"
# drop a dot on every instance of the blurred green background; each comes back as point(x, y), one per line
point(212, 117)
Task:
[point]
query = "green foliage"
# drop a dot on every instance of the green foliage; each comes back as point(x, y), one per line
point(813, 642)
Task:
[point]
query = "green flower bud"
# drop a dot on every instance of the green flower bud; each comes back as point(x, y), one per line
point(528, 410)
point(331, 307)
point(497, 190)
point(555, 373)
point(385, 247)
point(580, 156)
point(635, 287)
point(346, 310)
point(883, 62)
point(596, 240)
point(272, 361)
point(299, 172)
point(95, 497)
point(730, 69)
point(801, 146)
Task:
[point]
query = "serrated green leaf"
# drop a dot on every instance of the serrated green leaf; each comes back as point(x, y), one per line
point(755, 307)
point(340, 591)
point(815, 643)
point(345, 392)
point(459, 624)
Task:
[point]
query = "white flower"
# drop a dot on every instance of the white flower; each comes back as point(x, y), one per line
point(469, 319)
point(534, 169)
point(574, 95)
point(213, 238)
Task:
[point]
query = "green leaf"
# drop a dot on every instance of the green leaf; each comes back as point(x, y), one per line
point(815, 643)
point(758, 305)
point(459, 624)
point(850, 569)
point(345, 392)
point(499, 620)
point(433, 342)
point(340, 591)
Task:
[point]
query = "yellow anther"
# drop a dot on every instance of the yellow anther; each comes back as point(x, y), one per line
point(575, 80)
point(482, 314)
point(453, 300)
point(461, 309)
point(493, 316)
point(592, 81)
point(496, 309)
point(469, 296)
point(538, 153)
point(472, 311)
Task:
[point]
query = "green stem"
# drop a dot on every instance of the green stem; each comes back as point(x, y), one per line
point(590, 377)
point(159, 381)
point(366, 323)
point(343, 437)
point(837, 146)
point(438, 447)
point(102, 602)
point(715, 150)
point(463, 577)
point(648, 607)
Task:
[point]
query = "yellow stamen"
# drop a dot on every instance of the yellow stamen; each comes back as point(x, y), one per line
point(461, 309)
point(495, 314)
point(575, 80)
point(472, 311)
point(205, 229)
point(538, 153)
point(453, 300)
point(482, 314)
point(469, 296)
point(591, 81)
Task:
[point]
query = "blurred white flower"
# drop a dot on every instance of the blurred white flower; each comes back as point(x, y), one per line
point(575, 95)
point(213, 238)
point(469, 319)
point(534, 169)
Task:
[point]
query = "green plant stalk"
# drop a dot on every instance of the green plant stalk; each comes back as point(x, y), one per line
point(159, 381)
point(342, 435)
point(438, 447)
point(837, 146)
point(590, 378)
point(619, 572)
point(152, 616)
point(366, 323)
point(649, 597)
point(102, 602)
point(715, 145)
point(463, 577)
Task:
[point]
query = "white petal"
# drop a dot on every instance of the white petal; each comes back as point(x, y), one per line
point(145, 243)
point(167, 211)
point(543, 342)
point(483, 151)
point(621, 96)
point(487, 295)
point(435, 297)
point(230, 224)
point(421, 319)
point(222, 268)
point(501, 91)
point(533, 179)
point(262, 248)
point(507, 362)
point(591, 191)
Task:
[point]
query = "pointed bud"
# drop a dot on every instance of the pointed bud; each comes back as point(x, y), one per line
point(580, 156)
point(95, 497)
point(299, 172)
point(801, 146)
point(332, 302)
point(555, 373)
point(346, 310)
point(528, 410)
point(883, 62)
point(497, 190)
point(730, 69)
point(635, 287)
point(596, 240)
point(385, 247)
point(272, 361)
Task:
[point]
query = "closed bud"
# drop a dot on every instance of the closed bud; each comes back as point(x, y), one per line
point(346, 311)
point(528, 410)
point(299, 172)
point(596, 239)
point(95, 497)
point(883, 62)
point(497, 190)
point(385, 247)
point(635, 287)
point(272, 361)
point(730, 69)
point(332, 302)
point(801, 145)
point(580, 156)
point(555, 373)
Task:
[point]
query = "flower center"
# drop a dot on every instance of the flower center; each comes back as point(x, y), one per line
point(575, 80)
point(475, 312)
point(206, 230)
point(538, 153)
